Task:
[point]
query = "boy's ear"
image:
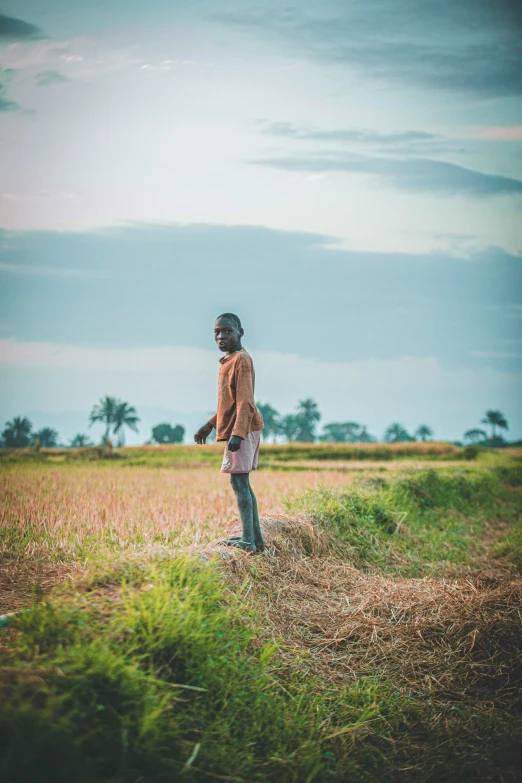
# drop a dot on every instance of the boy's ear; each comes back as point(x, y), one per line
point(241, 332)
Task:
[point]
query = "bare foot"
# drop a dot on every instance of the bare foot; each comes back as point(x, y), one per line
point(260, 545)
point(236, 541)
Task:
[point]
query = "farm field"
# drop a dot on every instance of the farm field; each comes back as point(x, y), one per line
point(379, 637)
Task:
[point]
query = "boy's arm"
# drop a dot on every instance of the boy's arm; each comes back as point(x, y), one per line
point(245, 405)
point(204, 431)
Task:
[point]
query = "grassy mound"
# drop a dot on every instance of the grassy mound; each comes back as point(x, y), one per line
point(415, 525)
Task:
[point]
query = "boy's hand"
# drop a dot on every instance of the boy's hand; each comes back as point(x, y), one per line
point(203, 433)
point(234, 443)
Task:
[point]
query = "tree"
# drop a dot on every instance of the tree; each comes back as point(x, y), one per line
point(346, 432)
point(289, 427)
point(424, 433)
point(47, 438)
point(308, 415)
point(396, 433)
point(17, 433)
point(125, 416)
point(105, 413)
point(271, 419)
point(475, 436)
point(341, 432)
point(165, 433)
point(80, 441)
point(495, 419)
point(365, 436)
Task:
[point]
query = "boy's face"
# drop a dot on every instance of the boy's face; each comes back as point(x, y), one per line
point(226, 334)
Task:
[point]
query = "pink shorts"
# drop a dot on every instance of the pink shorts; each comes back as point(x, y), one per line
point(245, 458)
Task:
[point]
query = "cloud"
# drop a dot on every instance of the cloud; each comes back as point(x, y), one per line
point(6, 104)
point(135, 286)
point(499, 133)
point(472, 47)
point(408, 142)
point(295, 131)
point(416, 175)
point(13, 29)
point(49, 77)
point(77, 58)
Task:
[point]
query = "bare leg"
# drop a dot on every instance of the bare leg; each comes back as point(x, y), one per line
point(258, 536)
point(241, 486)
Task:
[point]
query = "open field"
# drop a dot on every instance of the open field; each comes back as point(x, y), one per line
point(379, 637)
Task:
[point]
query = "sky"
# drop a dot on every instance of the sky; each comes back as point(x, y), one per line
point(345, 175)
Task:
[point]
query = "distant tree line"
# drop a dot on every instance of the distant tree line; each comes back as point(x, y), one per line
point(301, 426)
point(113, 413)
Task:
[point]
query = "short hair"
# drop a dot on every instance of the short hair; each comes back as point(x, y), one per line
point(232, 317)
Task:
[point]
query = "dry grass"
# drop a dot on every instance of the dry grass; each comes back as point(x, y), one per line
point(74, 504)
point(52, 519)
point(458, 639)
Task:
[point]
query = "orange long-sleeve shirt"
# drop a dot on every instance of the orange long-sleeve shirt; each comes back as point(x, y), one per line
point(236, 411)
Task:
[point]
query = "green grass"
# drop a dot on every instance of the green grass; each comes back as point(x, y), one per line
point(137, 671)
point(415, 525)
point(511, 545)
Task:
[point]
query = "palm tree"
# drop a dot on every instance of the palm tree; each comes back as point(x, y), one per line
point(105, 412)
point(17, 432)
point(495, 419)
point(308, 414)
point(396, 433)
point(424, 433)
point(125, 416)
point(80, 441)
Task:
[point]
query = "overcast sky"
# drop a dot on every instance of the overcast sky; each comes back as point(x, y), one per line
point(346, 176)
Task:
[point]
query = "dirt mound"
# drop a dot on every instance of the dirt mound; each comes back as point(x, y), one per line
point(457, 638)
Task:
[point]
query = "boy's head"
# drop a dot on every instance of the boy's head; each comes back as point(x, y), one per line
point(228, 332)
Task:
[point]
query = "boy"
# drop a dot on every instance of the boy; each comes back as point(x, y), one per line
point(239, 422)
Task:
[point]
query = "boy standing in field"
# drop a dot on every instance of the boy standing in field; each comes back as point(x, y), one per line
point(239, 422)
